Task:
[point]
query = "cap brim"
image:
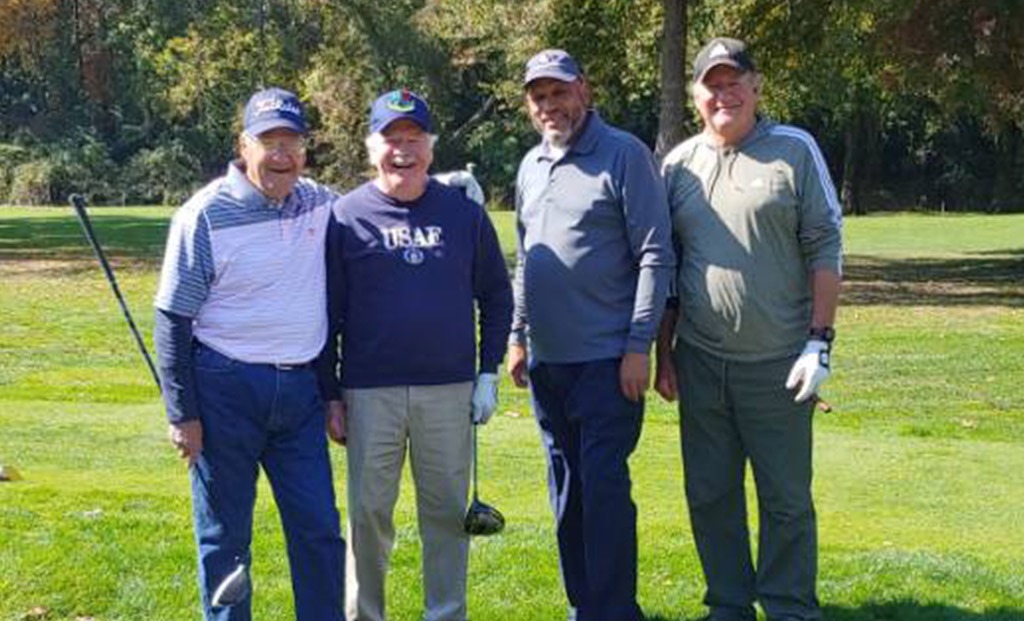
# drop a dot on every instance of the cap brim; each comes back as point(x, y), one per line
point(260, 127)
point(380, 127)
point(553, 73)
point(728, 62)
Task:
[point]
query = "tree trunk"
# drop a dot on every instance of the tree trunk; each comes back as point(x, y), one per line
point(852, 187)
point(671, 126)
point(1009, 171)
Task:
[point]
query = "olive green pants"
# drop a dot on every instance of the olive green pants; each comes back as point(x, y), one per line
point(731, 413)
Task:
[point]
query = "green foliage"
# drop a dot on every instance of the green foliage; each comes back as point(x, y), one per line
point(165, 175)
point(52, 172)
point(31, 183)
point(895, 91)
point(11, 156)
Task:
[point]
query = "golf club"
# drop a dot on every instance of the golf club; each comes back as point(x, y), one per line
point(235, 587)
point(78, 202)
point(481, 518)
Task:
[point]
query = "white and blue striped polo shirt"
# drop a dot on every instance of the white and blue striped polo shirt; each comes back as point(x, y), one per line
point(251, 275)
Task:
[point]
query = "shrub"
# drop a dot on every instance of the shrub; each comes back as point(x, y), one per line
point(166, 175)
point(11, 156)
point(32, 183)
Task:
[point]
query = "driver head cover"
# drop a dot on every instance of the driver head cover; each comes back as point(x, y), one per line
point(483, 519)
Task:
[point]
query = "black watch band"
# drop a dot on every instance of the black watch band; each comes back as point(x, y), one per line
point(826, 333)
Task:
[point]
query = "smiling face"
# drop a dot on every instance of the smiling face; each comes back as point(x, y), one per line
point(727, 102)
point(402, 154)
point(557, 108)
point(273, 161)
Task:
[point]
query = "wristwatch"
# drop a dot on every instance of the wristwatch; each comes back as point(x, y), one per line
point(825, 333)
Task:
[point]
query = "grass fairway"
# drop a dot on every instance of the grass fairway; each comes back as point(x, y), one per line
point(919, 483)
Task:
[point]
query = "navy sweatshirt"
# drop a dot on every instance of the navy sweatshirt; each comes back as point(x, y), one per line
point(405, 282)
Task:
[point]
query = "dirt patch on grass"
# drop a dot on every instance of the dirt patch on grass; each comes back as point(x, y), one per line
point(31, 267)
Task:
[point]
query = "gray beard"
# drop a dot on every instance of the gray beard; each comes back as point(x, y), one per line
point(558, 140)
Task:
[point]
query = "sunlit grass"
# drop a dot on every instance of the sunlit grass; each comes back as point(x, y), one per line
point(918, 485)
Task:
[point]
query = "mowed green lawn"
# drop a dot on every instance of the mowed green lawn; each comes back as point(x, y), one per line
point(919, 469)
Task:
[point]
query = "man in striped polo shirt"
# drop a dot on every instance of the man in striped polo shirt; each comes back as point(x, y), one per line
point(241, 313)
point(757, 228)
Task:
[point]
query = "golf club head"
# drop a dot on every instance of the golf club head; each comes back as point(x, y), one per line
point(483, 519)
point(233, 589)
point(7, 473)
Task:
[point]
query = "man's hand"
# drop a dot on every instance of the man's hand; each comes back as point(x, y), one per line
point(464, 179)
point(634, 375)
point(485, 398)
point(665, 378)
point(809, 370)
point(187, 437)
point(336, 421)
point(516, 365)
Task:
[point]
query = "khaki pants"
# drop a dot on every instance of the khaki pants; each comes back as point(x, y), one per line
point(434, 423)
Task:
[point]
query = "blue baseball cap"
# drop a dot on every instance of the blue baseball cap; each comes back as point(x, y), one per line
point(557, 64)
point(274, 108)
point(398, 105)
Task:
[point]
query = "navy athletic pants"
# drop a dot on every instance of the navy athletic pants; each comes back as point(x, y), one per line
point(589, 430)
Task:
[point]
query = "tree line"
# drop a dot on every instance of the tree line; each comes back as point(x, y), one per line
point(917, 103)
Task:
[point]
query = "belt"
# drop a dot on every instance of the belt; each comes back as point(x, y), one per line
point(301, 366)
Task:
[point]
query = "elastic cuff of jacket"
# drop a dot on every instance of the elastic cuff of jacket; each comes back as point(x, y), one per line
point(332, 393)
point(672, 303)
point(638, 346)
point(829, 265)
point(177, 420)
point(517, 338)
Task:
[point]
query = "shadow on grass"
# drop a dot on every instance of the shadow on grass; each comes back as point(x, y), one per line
point(908, 610)
point(992, 278)
point(60, 239)
point(900, 610)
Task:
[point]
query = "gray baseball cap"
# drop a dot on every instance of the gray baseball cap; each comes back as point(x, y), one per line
point(553, 63)
point(722, 51)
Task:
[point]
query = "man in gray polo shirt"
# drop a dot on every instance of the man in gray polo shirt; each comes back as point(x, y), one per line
point(594, 261)
point(757, 227)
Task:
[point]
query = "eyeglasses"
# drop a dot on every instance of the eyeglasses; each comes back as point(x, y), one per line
point(290, 144)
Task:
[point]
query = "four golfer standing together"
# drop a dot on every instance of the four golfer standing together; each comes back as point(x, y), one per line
point(743, 249)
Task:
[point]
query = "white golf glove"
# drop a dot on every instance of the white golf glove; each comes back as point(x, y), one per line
point(464, 179)
point(810, 369)
point(485, 398)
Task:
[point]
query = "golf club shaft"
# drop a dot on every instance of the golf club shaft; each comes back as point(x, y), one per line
point(475, 468)
point(78, 202)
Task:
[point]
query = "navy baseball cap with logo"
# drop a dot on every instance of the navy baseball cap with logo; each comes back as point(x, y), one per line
point(398, 105)
point(274, 108)
point(722, 51)
point(556, 64)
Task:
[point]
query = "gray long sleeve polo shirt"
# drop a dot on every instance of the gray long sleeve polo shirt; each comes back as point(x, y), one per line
point(594, 248)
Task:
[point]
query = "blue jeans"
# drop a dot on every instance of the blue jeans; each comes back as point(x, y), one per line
point(252, 415)
point(589, 430)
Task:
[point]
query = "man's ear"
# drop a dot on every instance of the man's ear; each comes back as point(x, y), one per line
point(588, 96)
point(758, 81)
